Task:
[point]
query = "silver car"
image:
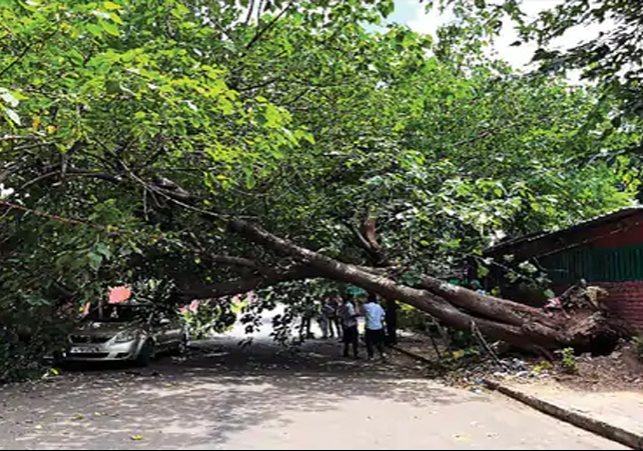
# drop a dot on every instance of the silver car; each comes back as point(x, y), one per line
point(126, 332)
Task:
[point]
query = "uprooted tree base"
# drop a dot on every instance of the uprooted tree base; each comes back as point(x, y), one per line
point(528, 328)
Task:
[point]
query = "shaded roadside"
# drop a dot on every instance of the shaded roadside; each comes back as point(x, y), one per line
point(264, 398)
point(612, 413)
point(216, 392)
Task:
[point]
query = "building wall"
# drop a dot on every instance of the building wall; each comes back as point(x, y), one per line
point(614, 261)
point(626, 301)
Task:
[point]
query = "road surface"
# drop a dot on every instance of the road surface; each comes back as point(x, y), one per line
point(265, 398)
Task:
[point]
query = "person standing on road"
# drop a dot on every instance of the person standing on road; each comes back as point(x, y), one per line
point(336, 317)
point(349, 323)
point(308, 313)
point(374, 333)
point(391, 321)
point(328, 319)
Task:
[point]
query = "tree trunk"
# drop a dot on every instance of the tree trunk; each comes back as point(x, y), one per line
point(498, 319)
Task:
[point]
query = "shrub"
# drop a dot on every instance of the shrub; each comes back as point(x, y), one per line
point(568, 361)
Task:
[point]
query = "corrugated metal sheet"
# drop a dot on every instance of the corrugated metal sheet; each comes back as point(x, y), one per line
point(507, 246)
point(596, 265)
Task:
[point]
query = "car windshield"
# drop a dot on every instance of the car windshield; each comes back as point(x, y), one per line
point(118, 314)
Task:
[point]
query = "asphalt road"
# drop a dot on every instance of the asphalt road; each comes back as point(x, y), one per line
point(262, 397)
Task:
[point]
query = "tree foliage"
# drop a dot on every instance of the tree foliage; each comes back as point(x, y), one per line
point(609, 56)
point(134, 132)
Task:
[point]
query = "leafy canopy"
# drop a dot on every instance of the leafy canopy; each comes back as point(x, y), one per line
point(132, 131)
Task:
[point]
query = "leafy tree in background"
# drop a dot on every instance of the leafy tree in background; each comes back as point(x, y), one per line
point(160, 141)
point(608, 58)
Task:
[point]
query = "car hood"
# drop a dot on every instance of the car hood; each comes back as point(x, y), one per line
point(96, 328)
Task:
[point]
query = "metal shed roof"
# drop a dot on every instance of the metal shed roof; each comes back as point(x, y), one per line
point(507, 246)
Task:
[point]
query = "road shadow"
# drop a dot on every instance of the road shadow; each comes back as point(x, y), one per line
point(202, 400)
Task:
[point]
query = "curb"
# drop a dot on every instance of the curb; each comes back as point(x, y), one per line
point(608, 431)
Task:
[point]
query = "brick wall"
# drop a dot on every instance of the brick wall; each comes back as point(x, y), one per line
point(625, 300)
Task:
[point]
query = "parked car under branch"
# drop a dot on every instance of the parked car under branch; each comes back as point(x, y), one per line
point(131, 331)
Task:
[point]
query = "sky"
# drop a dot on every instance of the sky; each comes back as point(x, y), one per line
point(412, 13)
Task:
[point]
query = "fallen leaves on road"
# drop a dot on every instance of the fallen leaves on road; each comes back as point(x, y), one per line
point(78, 417)
point(136, 437)
point(461, 438)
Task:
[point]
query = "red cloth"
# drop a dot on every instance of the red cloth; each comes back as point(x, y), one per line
point(118, 295)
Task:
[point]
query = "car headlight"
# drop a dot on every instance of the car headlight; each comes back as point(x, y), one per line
point(125, 336)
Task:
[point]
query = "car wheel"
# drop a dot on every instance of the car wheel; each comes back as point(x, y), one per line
point(146, 354)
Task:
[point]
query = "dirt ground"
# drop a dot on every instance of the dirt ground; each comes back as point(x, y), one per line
point(619, 371)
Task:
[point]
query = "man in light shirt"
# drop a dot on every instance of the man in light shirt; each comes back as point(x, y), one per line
point(350, 335)
point(374, 334)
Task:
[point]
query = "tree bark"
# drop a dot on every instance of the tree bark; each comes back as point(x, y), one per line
point(503, 310)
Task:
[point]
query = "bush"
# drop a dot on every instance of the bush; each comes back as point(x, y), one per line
point(411, 319)
point(24, 342)
point(568, 361)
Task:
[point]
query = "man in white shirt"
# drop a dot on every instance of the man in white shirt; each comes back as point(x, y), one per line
point(350, 335)
point(374, 315)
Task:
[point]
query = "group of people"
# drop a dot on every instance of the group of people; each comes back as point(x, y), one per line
point(340, 317)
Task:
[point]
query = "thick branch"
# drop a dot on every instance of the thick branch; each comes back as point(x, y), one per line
point(430, 303)
point(244, 285)
point(72, 173)
point(231, 260)
point(487, 306)
point(368, 231)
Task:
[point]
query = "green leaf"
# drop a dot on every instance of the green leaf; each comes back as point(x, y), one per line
point(95, 29)
point(110, 27)
point(482, 271)
point(111, 5)
point(95, 260)
point(116, 18)
point(36, 301)
point(102, 249)
point(251, 181)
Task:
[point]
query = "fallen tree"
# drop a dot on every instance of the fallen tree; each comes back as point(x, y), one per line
point(500, 319)
point(298, 122)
